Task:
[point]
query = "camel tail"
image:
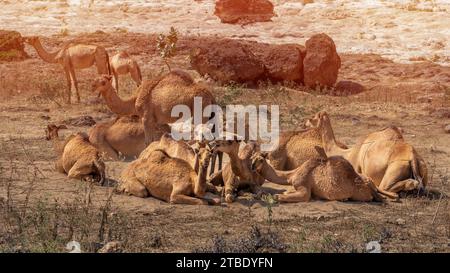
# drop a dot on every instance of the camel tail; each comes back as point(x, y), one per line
point(419, 170)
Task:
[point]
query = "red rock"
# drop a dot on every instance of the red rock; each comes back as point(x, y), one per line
point(244, 11)
point(11, 46)
point(226, 60)
point(282, 62)
point(321, 64)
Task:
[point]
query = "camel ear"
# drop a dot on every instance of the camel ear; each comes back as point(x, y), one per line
point(108, 77)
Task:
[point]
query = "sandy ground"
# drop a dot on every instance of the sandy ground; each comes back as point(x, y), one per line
point(412, 95)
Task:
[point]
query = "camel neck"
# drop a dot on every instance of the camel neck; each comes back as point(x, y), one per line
point(117, 105)
point(46, 56)
point(238, 165)
point(58, 145)
point(329, 142)
point(274, 176)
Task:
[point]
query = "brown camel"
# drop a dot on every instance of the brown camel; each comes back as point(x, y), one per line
point(121, 64)
point(122, 137)
point(384, 156)
point(74, 56)
point(156, 98)
point(168, 179)
point(295, 148)
point(77, 158)
point(326, 178)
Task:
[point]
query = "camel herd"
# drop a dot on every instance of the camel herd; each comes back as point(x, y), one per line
point(311, 161)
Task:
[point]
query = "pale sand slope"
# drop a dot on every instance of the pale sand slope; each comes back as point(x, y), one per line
point(401, 30)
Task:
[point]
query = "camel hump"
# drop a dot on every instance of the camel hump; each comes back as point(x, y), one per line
point(182, 75)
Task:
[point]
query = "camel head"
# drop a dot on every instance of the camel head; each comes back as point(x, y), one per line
point(102, 83)
point(205, 154)
point(259, 161)
point(51, 132)
point(314, 122)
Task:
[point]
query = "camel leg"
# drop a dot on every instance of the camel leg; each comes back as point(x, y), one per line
point(302, 194)
point(229, 190)
point(116, 80)
point(395, 173)
point(220, 157)
point(149, 128)
point(79, 170)
point(135, 75)
point(75, 81)
point(212, 165)
point(69, 84)
point(405, 185)
point(133, 187)
point(178, 197)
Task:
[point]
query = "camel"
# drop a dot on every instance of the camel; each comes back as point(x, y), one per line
point(237, 174)
point(155, 99)
point(122, 137)
point(295, 148)
point(76, 156)
point(384, 156)
point(74, 56)
point(325, 178)
point(121, 64)
point(169, 179)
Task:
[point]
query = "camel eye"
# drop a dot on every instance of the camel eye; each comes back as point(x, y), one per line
point(102, 82)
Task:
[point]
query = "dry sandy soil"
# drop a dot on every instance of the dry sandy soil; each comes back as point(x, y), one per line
point(42, 210)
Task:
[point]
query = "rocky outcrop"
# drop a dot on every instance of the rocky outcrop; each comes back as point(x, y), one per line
point(321, 64)
point(282, 62)
point(11, 46)
point(227, 60)
point(244, 11)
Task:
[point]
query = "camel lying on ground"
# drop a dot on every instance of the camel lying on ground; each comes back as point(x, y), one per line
point(77, 158)
point(384, 156)
point(121, 64)
point(156, 98)
point(295, 148)
point(326, 178)
point(121, 137)
point(74, 56)
point(169, 179)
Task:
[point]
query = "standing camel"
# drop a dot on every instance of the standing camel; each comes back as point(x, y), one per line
point(74, 56)
point(155, 99)
point(121, 64)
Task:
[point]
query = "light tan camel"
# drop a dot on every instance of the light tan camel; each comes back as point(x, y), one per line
point(122, 137)
point(121, 64)
point(74, 56)
point(326, 178)
point(180, 150)
point(168, 179)
point(384, 156)
point(76, 156)
point(237, 174)
point(295, 148)
point(156, 98)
